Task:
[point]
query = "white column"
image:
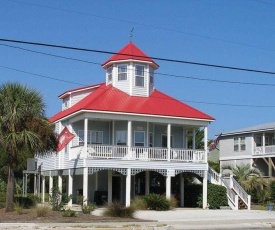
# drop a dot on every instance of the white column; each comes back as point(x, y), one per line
point(50, 185)
point(204, 190)
point(263, 143)
point(147, 182)
point(43, 190)
point(85, 186)
point(70, 188)
point(147, 135)
point(129, 137)
point(205, 144)
point(110, 186)
point(194, 139)
point(60, 182)
point(128, 188)
point(168, 141)
point(168, 187)
point(113, 132)
point(85, 139)
point(35, 185)
point(96, 181)
point(181, 190)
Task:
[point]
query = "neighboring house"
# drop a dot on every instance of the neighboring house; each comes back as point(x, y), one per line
point(253, 145)
point(129, 138)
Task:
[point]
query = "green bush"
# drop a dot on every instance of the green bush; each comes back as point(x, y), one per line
point(87, 209)
point(27, 202)
point(156, 202)
point(69, 213)
point(192, 194)
point(3, 186)
point(272, 191)
point(58, 200)
point(2, 199)
point(117, 210)
point(139, 203)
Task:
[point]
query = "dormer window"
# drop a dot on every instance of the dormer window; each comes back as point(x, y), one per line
point(140, 75)
point(151, 73)
point(122, 72)
point(110, 74)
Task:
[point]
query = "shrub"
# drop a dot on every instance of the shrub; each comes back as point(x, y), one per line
point(58, 200)
point(2, 199)
point(272, 191)
point(3, 186)
point(117, 210)
point(87, 209)
point(173, 203)
point(18, 208)
point(156, 202)
point(139, 203)
point(26, 202)
point(69, 213)
point(42, 211)
point(192, 194)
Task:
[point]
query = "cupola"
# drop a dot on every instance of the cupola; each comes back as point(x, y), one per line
point(131, 71)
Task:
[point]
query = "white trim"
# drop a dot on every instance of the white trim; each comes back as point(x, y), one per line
point(62, 96)
point(236, 157)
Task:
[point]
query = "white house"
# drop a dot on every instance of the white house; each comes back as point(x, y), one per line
point(129, 138)
point(252, 145)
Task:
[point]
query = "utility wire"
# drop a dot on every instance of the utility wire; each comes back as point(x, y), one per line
point(200, 102)
point(156, 73)
point(155, 58)
point(147, 25)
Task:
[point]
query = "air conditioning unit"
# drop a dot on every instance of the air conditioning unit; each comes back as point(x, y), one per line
point(31, 164)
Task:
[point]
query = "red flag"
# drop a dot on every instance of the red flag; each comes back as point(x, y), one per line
point(64, 138)
point(214, 143)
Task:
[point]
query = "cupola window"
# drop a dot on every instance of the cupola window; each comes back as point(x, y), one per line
point(139, 75)
point(122, 72)
point(110, 74)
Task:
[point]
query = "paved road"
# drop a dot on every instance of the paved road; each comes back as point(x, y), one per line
point(173, 219)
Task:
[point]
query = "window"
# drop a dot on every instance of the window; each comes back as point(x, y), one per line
point(81, 137)
point(121, 137)
point(239, 144)
point(110, 74)
point(139, 138)
point(97, 137)
point(151, 72)
point(122, 72)
point(140, 75)
point(266, 140)
point(258, 141)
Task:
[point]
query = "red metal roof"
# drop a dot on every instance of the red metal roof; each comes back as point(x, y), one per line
point(130, 52)
point(111, 99)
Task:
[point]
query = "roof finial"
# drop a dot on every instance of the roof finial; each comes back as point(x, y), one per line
point(131, 34)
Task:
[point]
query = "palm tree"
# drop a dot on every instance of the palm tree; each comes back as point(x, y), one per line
point(250, 178)
point(22, 126)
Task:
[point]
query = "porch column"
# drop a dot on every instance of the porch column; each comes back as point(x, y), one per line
point(168, 187)
point(129, 137)
point(128, 188)
point(204, 190)
point(85, 139)
point(181, 190)
point(110, 186)
point(70, 187)
point(194, 139)
point(113, 132)
point(263, 143)
point(59, 181)
point(168, 141)
point(23, 184)
point(34, 185)
point(50, 184)
point(270, 167)
point(147, 182)
point(43, 190)
point(205, 144)
point(85, 186)
point(147, 135)
point(96, 181)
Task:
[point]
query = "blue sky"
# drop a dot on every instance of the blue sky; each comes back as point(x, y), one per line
point(232, 33)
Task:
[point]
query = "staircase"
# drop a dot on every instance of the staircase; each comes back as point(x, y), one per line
point(237, 196)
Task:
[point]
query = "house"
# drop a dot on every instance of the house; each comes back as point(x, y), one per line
point(127, 137)
point(253, 145)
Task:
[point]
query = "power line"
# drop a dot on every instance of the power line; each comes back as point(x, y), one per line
point(155, 58)
point(156, 73)
point(147, 25)
point(267, 3)
point(200, 102)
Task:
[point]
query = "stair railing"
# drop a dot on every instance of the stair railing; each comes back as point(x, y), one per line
point(241, 192)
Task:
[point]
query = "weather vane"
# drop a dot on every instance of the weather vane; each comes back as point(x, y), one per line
point(131, 34)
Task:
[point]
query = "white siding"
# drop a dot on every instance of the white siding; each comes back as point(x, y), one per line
point(123, 85)
point(66, 103)
point(77, 96)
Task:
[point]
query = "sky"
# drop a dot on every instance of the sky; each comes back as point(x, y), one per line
point(219, 32)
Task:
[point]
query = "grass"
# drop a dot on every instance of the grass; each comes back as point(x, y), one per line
point(42, 211)
point(118, 210)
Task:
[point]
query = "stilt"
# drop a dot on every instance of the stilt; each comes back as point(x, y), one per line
point(128, 188)
point(110, 186)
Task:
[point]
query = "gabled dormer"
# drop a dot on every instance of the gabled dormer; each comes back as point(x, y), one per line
point(131, 71)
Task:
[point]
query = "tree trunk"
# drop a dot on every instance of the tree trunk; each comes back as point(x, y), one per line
point(10, 190)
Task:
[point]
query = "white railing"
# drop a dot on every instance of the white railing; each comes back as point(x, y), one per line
point(187, 155)
point(264, 150)
point(213, 176)
point(144, 153)
point(241, 192)
point(232, 197)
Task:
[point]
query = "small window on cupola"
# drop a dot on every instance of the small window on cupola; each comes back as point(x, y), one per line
point(140, 75)
point(122, 72)
point(110, 74)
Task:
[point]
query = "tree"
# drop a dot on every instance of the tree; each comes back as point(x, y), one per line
point(199, 143)
point(24, 130)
